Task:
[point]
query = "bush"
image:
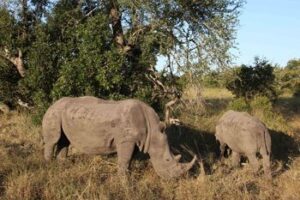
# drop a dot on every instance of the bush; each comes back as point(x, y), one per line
point(239, 104)
point(261, 103)
point(262, 108)
point(250, 81)
point(59, 64)
point(289, 78)
point(9, 78)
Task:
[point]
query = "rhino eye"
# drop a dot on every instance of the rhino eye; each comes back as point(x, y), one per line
point(167, 160)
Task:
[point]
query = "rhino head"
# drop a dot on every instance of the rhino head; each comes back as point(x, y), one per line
point(164, 162)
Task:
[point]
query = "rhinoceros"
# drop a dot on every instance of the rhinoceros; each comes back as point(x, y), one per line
point(96, 126)
point(247, 135)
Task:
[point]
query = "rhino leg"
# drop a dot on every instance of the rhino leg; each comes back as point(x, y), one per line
point(62, 147)
point(253, 161)
point(48, 151)
point(50, 138)
point(222, 150)
point(51, 134)
point(236, 158)
point(124, 151)
point(62, 154)
point(266, 164)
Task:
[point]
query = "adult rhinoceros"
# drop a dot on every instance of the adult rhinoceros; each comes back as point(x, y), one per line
point(96, 126)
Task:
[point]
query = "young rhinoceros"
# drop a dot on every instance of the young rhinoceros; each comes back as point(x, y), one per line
point(247, 135)
point(96, 126)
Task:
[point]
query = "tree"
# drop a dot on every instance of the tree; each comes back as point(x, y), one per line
point(250, 81)
point(293, 64)
point(289, 77)
point(109, 48)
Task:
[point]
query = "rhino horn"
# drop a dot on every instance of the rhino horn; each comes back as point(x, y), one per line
point(187, 166)
point(178, 170)
point(177, 157)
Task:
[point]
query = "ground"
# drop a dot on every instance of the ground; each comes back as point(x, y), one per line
point(25, 175)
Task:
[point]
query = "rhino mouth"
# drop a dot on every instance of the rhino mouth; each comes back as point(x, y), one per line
point(176, 169)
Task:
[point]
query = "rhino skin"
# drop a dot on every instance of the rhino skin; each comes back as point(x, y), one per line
point(96, 126)
point(247, 135)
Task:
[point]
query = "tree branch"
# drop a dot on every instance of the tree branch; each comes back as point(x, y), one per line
point(16, 61)
point(166, 91)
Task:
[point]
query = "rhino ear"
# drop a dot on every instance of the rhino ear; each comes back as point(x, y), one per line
point(162, 126)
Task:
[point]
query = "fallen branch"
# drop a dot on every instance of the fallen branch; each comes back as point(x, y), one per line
point(24, 104)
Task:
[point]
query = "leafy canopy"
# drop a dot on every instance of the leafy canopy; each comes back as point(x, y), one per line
point(107, 48)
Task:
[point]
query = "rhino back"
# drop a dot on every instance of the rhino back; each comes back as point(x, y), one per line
point(240, 131)
point(95, 128)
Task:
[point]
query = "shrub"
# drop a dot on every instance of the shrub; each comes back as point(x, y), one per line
point(288, 78)
point(9, 78)
point(262, 107)
point(239, 104)
point(262, 103)
point(250, 81)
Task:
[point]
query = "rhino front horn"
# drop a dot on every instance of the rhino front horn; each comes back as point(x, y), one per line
point(184, 167)
point(188, 166)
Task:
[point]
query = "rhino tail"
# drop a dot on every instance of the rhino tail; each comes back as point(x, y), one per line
point(266, 133)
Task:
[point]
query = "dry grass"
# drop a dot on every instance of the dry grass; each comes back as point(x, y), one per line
point(217, 93)
point(25, 175)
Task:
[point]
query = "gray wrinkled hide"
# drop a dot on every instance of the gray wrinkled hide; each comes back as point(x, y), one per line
point(247, 135)
point(96, 126)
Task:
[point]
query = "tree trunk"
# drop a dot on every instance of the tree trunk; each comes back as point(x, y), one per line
point(116, 20)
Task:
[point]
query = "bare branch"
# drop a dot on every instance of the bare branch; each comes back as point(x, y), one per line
point(168, 107)
point(24, 104)
point(166, 91)
point(91, 12)
point(16, 61)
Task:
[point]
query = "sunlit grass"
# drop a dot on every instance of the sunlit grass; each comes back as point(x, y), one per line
point(217, 93)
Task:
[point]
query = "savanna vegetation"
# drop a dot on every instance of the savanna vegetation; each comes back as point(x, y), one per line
point(110, 49)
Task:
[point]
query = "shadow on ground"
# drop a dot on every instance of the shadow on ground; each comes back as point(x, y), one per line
point(284, 147)
point(188, 141)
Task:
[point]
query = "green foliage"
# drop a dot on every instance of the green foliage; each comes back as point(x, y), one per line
point(93, 59)
point(9, 78)
point(262, 103)
point(262, 107)
point(6, 27)
point(293, 64)
point(288, 78)
point(70, 47)
point(212, 79)
point(238, 104)
point(250, 81)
